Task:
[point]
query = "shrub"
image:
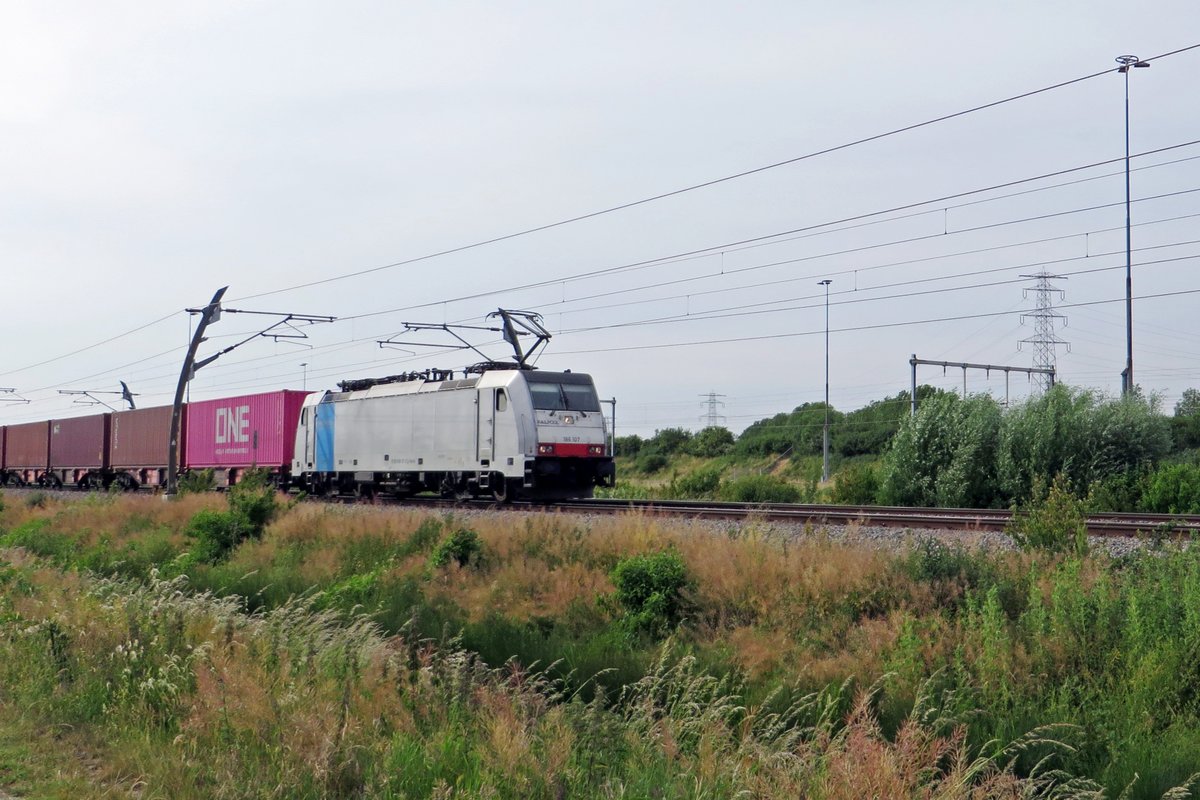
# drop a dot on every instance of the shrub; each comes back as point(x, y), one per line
point(462, 546)
point(760, 489)
point(195, 482)
point(216, 533)
point(650, 589)
point(651, 461)
point(1173, 489)
point(254, 499)
point(37, 500)
point(701, 483)
point(669, 441)
point(856, 485)
point(628, 445)
point(1055, 523)
point(711, 442)
point(1120, 492)
point(945, 455)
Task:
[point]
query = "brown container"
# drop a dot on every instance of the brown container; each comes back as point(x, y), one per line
point(27, 446)
point(79, 442)
point(3, 441)
point(140, 438)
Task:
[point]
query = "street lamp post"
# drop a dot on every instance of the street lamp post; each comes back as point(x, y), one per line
point(1126, 63)
point(825, 436)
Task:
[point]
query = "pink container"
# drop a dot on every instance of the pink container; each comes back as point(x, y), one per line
point(257, 430)
point(79, 442)
point(28, 446)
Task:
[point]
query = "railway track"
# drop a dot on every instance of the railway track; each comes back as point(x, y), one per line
point(1108, 524)
point(968, 519)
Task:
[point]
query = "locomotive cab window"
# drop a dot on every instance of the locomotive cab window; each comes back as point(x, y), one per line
point(501, 400)
point(563, 392)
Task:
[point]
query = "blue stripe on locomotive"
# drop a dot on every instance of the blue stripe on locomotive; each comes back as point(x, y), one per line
point(323, 414)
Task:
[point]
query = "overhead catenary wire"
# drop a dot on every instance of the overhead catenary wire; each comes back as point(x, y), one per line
point(708, 183)
point(755, 241)
point(850, 329)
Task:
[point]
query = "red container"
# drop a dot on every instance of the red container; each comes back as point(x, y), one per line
point(79, 442)
point(28, 446)
point(3, 441)
point(142, 437)
point(257, 430)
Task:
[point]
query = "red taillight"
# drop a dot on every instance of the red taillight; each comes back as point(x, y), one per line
point(595, 449)
point(546, 449)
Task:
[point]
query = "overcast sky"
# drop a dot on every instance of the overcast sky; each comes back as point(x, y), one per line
point(151, 153)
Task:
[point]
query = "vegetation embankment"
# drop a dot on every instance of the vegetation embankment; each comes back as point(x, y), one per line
point(214, 649)
point(1120, 454)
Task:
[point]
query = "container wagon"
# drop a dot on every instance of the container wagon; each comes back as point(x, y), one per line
point(234, 434)
point(139, 444)
point(27, 453)
point(79, 452)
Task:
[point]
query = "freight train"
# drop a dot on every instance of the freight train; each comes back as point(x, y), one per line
point(497, 432)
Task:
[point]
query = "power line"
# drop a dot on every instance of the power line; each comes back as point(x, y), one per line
point(705, 184)
point(757, 308)
point(762, 240)
point(879, 326)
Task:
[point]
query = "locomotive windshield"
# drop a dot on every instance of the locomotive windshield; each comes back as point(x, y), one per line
point(563, 391)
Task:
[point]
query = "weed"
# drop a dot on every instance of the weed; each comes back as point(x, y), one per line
point(197, 481)
point(36, 500)
point(650, 588)
point(462, 546)
point(1056, 524)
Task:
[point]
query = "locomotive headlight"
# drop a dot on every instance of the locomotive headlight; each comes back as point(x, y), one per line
point(595, 449)
point(567, 419)
point(546, 449)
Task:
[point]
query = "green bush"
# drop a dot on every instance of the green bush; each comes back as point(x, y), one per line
point(628, 445)
point(1174, 489)
point(711, 442)
point(760, 489)
point(703, 483)
point(216, 534)
point(650, 589)
point(651, 461)
point(945, 455)
point(856, 485)
point(254, 499)
point(1118, 492)
point(197, 481)
point(462, 546)
point(1055, 523)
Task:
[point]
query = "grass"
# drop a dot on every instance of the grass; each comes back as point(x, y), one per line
point(919, 661)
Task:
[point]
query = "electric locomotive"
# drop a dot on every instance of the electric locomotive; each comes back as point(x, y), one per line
point(495, 431)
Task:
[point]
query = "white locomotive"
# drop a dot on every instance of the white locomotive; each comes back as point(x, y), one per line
point(502, 432)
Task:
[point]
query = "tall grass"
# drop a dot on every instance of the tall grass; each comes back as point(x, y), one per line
point(188, 697)
point(1008, 643)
